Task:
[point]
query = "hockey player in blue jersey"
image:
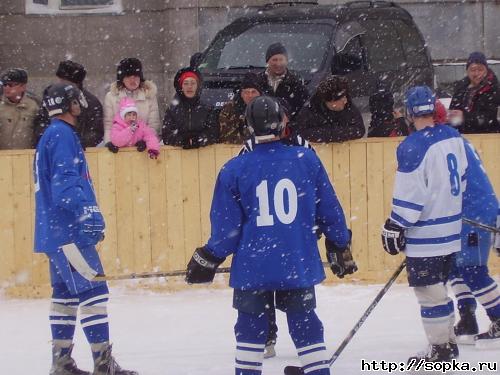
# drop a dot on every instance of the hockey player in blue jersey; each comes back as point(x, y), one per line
point(68, 225)
point(470, 279)
point(291, 140)
point(426, 218)
point(265, 208)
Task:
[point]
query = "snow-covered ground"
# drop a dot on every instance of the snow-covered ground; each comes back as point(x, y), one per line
point(191, 332)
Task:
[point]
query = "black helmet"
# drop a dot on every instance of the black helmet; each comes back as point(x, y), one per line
point(57, 98)
point(264, 116)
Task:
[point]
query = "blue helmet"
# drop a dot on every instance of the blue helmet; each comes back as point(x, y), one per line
point(420, 101)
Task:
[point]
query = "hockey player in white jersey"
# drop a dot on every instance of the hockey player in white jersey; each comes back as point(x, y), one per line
point(426, 218)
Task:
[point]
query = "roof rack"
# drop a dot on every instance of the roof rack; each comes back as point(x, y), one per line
point(371, 4)
point(276, 4)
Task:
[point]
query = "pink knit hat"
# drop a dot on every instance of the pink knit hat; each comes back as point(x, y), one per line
point(127, 105)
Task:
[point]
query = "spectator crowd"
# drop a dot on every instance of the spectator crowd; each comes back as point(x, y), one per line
point(130, 115)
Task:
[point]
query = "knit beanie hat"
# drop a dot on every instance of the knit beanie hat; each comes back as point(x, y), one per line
point(251, 81)
point(71, 71)
point(476, 58)
point(127, 105)
point(16, 75)
point(129, 66)
point(188, 74)
point(275, 49)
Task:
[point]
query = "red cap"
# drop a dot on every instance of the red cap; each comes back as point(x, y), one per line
point(188, 74)
point(440, 114)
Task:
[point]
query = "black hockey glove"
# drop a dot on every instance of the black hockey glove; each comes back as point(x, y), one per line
point(393, 238)
point(190, 142)
point(140, 145)
point(202, 266)
point(340, 258)
point(111, 147)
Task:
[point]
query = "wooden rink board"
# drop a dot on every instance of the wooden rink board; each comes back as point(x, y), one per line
point(157, 211)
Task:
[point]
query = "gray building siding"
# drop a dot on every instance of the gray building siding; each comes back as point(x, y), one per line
point(164, 34)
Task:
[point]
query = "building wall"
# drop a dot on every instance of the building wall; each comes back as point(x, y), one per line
point(165, 33)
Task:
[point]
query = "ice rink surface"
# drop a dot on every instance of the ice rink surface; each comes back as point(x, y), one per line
point(191, 332)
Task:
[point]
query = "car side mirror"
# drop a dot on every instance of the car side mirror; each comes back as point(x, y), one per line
point(345, 63)
point(195, 60)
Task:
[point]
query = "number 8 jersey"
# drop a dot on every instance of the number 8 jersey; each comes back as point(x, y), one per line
point(265, 209)
point(428, 191)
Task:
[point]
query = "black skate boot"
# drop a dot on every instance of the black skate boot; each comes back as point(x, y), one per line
point(467, 327)
point(64, 364)
point(454, 350)
point(490, 339)
point(105, 364)
point(436, 353)
point(269, 351)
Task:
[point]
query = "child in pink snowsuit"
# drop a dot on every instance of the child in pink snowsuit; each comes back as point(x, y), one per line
point(128, 130)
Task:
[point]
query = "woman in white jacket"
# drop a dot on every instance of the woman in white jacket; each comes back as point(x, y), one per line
point(130, 83)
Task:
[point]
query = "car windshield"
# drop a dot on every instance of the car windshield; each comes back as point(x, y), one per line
point(306, 45)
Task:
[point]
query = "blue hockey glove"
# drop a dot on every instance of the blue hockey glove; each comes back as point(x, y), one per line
point(90, 226)
point(340, 258)
point(393, 237)
point(202, 266)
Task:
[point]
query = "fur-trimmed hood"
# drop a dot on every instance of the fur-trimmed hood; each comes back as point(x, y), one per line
point(147, 90)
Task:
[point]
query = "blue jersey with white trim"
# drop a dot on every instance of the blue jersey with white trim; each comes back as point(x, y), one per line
point(265, 207)
point(479, 201)
point(428, 189)
point(62, 186)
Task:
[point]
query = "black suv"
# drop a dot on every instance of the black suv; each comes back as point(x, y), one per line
point(370, 42)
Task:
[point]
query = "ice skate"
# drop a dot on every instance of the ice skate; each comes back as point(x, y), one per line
point(105, 364)
point(435, 353)
point(467, 328)
point(269, 351)
point(64, 364)
point(490, 339)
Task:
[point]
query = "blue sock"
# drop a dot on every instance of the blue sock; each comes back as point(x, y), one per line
point(307, 334)
point(251, 334)
point(94, 318)
point(484, 288)
point(62, 317)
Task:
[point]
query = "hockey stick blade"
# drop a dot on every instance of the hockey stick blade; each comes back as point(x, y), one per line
point(295, 370)
point(481, 225)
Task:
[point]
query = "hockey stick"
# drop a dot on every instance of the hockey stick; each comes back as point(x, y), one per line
point(295, 370)
point(480, 225)
point(148, 275)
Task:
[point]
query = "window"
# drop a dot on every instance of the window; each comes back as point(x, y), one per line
point(385, 50)
point(307, 46)
point(413, 44)
point(73, 6)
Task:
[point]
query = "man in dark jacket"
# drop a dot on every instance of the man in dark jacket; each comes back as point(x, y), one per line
point(232, 125)
point(278, 81)
point(330, 115)
point(90, 126)
point(189, 123)
point(475, 102)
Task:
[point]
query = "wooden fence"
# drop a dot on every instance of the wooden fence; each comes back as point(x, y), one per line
point(157, 212)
